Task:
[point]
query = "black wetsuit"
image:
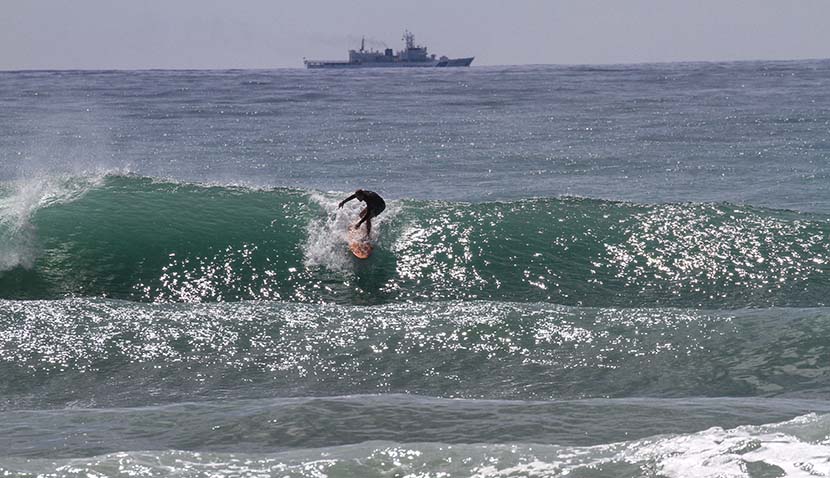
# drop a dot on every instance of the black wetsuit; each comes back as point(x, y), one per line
point(374, 206)
point(374, 203)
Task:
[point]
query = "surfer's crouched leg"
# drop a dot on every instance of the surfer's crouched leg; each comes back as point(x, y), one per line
point(366, 216)
point(368, 213)
point(363, 218)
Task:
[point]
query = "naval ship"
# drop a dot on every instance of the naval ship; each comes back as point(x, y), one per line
point(411, 56)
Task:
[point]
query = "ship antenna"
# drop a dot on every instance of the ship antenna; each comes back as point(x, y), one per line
point(409, 38)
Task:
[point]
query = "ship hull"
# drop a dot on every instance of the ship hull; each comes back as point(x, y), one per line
point(451, 62)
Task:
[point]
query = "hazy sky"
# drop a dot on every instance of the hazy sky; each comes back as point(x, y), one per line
point(135, 34)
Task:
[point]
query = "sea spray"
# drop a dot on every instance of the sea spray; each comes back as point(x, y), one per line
point(21, 199)
point(326, 245)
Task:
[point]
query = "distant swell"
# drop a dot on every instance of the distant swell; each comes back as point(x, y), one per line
point(139, 239)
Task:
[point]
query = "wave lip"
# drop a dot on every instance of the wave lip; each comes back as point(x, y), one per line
point(141, 239)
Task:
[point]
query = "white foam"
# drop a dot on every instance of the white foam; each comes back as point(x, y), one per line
point(796, 448)
point(728, 453)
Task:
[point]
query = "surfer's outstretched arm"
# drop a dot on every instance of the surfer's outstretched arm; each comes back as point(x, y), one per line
point(346, 200)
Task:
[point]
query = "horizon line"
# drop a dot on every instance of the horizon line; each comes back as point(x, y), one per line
point(479, 66)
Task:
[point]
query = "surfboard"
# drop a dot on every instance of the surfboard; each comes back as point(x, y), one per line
point(359, 243)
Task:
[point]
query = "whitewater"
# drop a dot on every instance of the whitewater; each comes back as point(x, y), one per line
point(582, 271)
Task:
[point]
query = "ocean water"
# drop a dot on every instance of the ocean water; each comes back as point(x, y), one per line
point(617, 271)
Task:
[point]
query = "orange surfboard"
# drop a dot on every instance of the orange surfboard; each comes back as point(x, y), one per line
point(359, 243)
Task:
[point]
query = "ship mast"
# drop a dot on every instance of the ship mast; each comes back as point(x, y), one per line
point(409, 38)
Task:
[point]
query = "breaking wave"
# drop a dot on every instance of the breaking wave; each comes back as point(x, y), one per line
point(137, 238)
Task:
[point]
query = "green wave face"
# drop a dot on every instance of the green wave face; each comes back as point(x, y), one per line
point(138, 239)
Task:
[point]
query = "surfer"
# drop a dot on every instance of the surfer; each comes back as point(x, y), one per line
point(374, 206)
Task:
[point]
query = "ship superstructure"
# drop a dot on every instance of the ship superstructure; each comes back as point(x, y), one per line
point(411, 56)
